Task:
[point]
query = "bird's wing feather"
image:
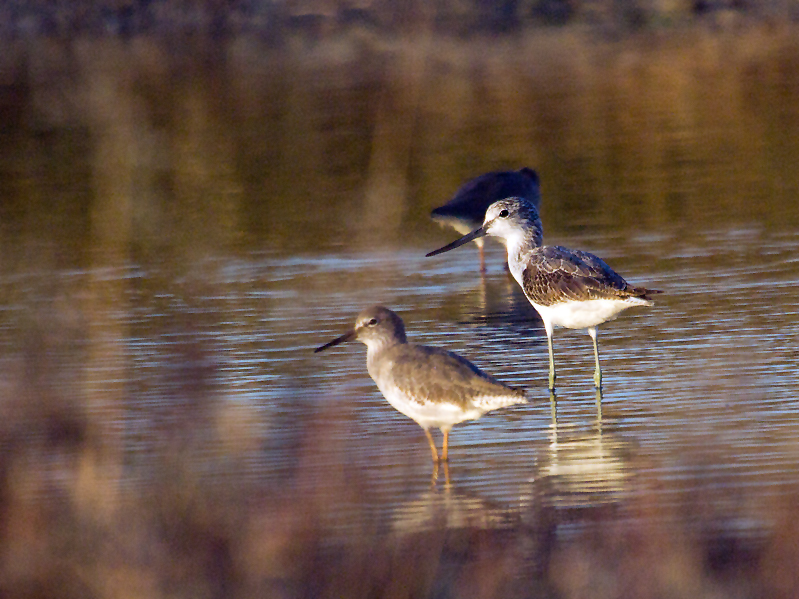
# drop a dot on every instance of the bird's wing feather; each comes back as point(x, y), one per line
point(430, 374)
point(555, 274)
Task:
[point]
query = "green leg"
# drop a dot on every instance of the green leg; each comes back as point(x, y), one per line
point(597, 371)
point(599, 406)
point(551, 360)
point(553, 403)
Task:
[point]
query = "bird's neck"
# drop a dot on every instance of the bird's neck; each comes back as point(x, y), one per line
point(520, 245)
point(375, 347)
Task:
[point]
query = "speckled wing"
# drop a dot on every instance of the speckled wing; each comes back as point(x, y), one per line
point(556, 274)
point(429, 374)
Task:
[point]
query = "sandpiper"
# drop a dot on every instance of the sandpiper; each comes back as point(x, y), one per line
point(568, 288)
point(434, 387)
point(466, 210)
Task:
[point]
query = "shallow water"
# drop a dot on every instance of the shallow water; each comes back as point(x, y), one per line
point(174, 253)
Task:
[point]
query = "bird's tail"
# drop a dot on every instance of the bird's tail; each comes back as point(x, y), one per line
point(644, 294)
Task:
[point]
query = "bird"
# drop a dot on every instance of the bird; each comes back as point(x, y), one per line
point(434, 387)
point(568, 288)
point(466, 210)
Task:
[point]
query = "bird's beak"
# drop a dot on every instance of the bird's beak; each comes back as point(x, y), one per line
point(476, 234)
point(348, 336)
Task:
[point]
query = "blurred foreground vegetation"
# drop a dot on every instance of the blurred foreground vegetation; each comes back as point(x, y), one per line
point(71, 531)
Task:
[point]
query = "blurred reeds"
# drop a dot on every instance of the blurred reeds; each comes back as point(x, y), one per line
point(189, 532)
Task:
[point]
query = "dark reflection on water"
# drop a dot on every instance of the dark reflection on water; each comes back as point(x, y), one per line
point(179, 232)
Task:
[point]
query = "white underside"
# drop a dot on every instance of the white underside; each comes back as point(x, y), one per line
point(585, 314)
point(441, 414)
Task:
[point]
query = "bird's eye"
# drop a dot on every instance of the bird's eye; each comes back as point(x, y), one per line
point(372, 322)
point(503, 213)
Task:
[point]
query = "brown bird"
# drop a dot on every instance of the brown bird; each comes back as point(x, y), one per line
point(433, 387)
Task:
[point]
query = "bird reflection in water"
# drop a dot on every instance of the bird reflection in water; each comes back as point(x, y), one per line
point(436, 472)
point(445, 507)
point(582, 469)
point(553, 402)
point(496, 300)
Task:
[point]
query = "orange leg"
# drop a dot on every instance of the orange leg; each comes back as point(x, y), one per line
point(433, 445)
point(446, 444)
point(482, 260)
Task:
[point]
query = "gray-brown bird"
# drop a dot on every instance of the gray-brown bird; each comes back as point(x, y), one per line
point(433, 387)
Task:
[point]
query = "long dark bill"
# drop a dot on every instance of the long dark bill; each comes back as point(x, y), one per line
point(348, 336)
point(476, 234)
